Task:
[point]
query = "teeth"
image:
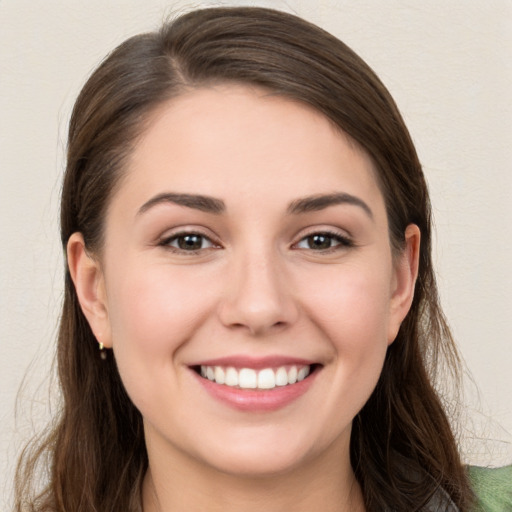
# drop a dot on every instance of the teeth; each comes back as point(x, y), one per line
point(266, 379)
point(248, 378)
point(231, 377)
point(220, 375)
point(302, 374)
point(281, 377)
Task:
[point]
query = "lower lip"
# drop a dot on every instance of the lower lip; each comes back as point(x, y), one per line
point(253, 400)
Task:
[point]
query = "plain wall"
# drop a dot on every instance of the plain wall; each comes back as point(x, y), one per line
point(447, 63)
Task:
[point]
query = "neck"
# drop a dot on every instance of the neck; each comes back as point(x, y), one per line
point(188, 486)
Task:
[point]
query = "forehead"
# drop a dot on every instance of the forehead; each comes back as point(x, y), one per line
point(236, 142)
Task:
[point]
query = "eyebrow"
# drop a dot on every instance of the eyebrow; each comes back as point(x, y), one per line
point(217, 206)
point(322, 201)
point(198, 202)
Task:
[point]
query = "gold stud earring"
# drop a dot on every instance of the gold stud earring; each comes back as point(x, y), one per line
point(103, 354)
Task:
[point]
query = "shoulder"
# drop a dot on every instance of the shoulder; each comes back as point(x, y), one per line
point(492, 487)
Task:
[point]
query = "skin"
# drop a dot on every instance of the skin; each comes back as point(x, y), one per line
point(257, 286)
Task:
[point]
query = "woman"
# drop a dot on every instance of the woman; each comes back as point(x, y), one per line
point(250, 316)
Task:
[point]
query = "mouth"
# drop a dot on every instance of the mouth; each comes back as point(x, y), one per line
point(256, 385)
point(264, 379)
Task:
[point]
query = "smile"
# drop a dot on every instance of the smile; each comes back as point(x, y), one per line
point(257, 385)
point(249, 378)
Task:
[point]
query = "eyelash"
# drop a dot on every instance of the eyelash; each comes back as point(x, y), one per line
point(166, 242)
point(342, 242)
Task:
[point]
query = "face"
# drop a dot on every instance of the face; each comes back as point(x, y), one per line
point(246, 285)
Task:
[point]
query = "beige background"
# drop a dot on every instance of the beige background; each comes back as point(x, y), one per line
point(448, 64)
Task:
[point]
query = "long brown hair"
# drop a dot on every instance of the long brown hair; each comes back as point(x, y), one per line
point(402, 447)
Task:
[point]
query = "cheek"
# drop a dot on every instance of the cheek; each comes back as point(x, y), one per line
point(353, 315)
point(352, 305)
point(350, 309)
point(153, 312)
point(154, 308)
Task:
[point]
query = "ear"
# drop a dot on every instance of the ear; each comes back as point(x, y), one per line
point(404, 280)
point(88, 278)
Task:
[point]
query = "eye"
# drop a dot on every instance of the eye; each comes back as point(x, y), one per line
point(323, 241)
point(188, 242)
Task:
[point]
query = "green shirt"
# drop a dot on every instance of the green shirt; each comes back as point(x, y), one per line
point(493, 488)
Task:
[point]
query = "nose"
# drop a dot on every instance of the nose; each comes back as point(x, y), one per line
point(258, 296)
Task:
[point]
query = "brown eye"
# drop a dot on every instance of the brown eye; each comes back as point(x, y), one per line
point(188, 242)
point(323, 242)
point(319, 241)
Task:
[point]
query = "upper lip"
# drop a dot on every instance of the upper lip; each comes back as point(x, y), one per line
point(256, 363)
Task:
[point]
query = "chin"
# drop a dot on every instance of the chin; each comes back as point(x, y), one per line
point(257, 465)
point(263, 453)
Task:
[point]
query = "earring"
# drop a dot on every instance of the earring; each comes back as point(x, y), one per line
point(103, 354)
